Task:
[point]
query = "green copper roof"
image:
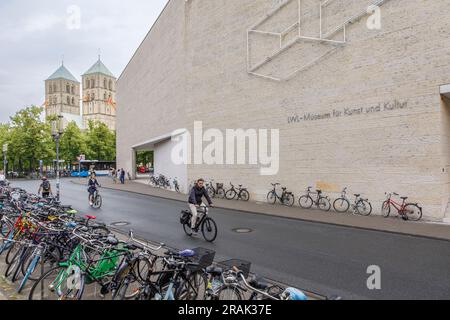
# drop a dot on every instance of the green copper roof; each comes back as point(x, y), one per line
point(99, 67)
point(62, 73)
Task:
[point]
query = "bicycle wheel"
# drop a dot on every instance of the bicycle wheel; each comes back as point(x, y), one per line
point(271, 197)
point(229, 293)
point(211, 192)
point(306, 202)
point(209, 230)
point(231, 194)
point(288, 200)
point(341, 205)
point(386, 209)
point(31, 268)
point(15, 263)
point(58, 284)
point(11, 252)
point(187, 228)
point(364, 208)
point(194, 288)
point(245, 195)
point(97, 204)
point(324, 204)
point(413, 212)
point(52, 258)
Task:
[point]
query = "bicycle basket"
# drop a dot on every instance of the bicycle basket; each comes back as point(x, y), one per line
point(219, 186)
point(185, 217)
point(204, 257)
point(242, 265)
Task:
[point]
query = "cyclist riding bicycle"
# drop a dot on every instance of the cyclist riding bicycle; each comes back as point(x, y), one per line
point(196, 201)
point(93, 184)
point(45, 188)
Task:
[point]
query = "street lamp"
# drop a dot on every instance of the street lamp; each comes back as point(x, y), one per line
point(57, 131)
point(5, 161)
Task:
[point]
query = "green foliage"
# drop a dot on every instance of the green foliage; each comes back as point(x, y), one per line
point(73, 143)
point(144, 157)
point(29, 140)
point(101, 142)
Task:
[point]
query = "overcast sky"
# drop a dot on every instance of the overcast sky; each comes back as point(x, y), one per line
point(34, 36)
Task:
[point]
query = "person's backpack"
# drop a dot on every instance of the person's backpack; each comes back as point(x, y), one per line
point(46, 186)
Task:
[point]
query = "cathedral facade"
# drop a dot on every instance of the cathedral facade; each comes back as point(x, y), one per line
point(91, 100)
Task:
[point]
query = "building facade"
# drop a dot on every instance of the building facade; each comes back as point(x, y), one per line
point(62, 96)
point(357, 91)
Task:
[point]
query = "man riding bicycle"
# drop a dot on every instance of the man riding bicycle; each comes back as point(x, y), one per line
point(196, 201)
point(45, 188)
point(93, 184)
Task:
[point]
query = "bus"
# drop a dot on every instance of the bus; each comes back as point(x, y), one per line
point(82, 169)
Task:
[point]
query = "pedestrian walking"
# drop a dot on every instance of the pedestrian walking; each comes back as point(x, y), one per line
point(114, 175)
point(122, 176)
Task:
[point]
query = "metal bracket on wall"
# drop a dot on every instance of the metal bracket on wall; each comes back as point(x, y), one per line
point(323, 38)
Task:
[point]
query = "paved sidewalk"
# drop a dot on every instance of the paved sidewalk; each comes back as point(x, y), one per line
point(396, 225)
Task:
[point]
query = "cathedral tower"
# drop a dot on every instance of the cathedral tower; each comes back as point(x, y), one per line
point(62, 96)
point(99, 95)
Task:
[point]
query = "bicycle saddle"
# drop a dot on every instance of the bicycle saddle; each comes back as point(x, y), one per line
point(91, 217)
point(258, 283)
point(404, 198)
point(319, 191)
point(357, 195)
point(215, 271)
point(284, 189)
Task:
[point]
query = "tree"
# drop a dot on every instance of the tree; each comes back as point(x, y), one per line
point(30, 138)
point(100, 142)
point(73, 143)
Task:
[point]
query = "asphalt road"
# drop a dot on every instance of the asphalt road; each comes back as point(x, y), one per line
point(322, 258)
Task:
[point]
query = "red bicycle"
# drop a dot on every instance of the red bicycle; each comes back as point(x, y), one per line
point(407, 211)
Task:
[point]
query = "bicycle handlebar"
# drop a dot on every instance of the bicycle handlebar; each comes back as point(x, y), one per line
point(145, 245)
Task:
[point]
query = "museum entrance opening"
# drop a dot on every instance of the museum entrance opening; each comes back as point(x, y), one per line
point(144, 163)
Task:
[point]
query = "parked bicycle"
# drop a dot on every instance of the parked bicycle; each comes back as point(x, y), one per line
point(286, 198)
point(360, 206)
point(407, 211)
point(206, 224)
point(215, 191)
point(317, 198)
point(239, 193)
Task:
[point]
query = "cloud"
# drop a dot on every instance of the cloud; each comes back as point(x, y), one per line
point(34, 36)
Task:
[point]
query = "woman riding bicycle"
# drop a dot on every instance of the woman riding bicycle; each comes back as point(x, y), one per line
point(93, 184)
point(196, 201)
